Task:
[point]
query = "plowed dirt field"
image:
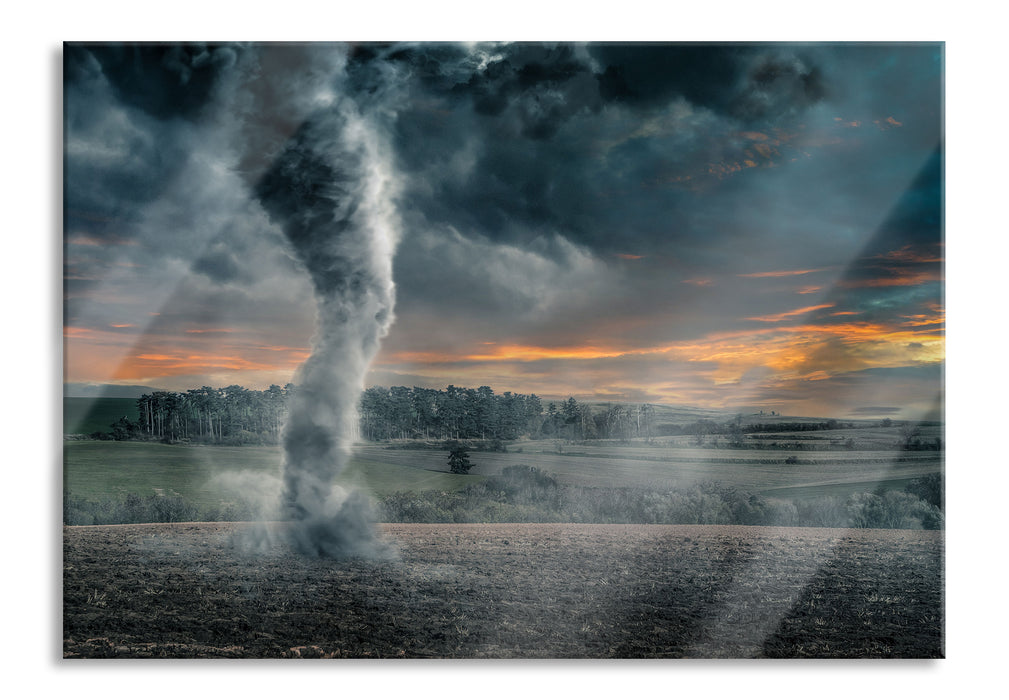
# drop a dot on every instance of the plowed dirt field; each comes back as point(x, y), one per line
point(508, 591)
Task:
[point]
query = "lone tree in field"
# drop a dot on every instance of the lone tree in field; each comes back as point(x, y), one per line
point(458, 458)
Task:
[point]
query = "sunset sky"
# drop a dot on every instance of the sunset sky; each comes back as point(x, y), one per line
point(729, 226)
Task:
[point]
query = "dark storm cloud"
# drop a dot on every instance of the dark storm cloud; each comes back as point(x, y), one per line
point(151, 169)
point(749, 82)
point(120, 154)
point(120, 105)
point(541, 88)
point(163, 80)
point(621, 148)
point(479, 137)
point(508, 142)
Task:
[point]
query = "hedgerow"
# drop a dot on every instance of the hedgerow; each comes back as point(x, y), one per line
point(526, 494)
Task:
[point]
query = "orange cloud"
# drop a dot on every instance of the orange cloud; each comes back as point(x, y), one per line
point(526, 353)
point(85, 240)
point(700, 282)
point(782, 273)
point(159, 358)
point(628, 256)
point(78, 332)
point(774, 318)
point(907, 254)
point(210, 330)
point(162, 365)
point(809, 290)
point(814, 351)
point(917, 320)
point(522, 353)
point(886, 124)
point(900, 278)
point(284, 348)
point(110, 355)
point(783, 341)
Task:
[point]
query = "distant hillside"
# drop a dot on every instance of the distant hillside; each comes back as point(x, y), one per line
point(83, 416)
point(107, 391)
point(669, 413)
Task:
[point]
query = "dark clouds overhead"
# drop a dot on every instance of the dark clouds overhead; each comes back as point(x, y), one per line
point(606, 193)
point(610, 144)
point(752, 83)
point(164, 80)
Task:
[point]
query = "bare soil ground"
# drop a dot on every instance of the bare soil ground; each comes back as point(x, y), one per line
point(507, 591)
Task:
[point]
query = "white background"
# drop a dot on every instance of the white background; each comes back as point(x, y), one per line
point(31, 323)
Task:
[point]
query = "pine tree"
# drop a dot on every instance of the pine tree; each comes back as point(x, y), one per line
point(458, 458)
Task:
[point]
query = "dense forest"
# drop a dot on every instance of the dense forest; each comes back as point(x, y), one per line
point(461, 413)
point(236, 415)
point(229, 415)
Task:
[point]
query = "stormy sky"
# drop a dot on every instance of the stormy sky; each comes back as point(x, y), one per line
point(736, 226)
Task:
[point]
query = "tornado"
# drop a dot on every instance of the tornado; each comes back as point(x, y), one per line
point(331, 192)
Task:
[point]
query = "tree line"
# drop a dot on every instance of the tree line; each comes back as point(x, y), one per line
point(237, 415)
point(459, 413)
point(229, 415)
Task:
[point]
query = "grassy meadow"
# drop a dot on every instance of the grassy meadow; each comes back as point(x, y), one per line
point(209, 476)
point(200, 473)
point(814, 472)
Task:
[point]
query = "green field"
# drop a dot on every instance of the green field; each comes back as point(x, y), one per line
point(212, 475)
point(816, 473)
point(83, 416)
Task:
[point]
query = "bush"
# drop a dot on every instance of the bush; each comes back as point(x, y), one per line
point(133, 508)
point(525, 494)
point(431, 507)
point(825, 511)
point(522, 493)
point(749, 509)
point(929, 489)
point(893, 509)
point(496, 445)
point(76, 512)
point(240, 438)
